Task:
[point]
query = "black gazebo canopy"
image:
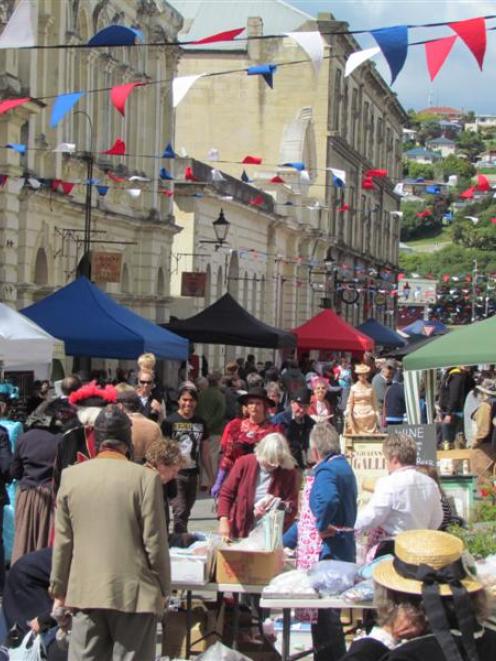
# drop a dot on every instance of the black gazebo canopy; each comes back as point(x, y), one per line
point(226, 322)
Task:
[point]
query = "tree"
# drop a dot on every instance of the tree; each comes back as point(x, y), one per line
point(470, 143)
point(454, 165)
point(452, 259)
point(420, 170)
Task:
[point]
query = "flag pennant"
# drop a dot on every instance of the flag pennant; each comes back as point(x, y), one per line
point(134, 192)
point(115, 177)
point(265, 70)
point(493, 220)
point(181, 86)
point(227, 35)
point(119, 95)
point(473, 34)
point(102, 190)
point(368, 183)
point(20, 149)
point(474, 219)
point(245, 177)
point(393, 43)
point(343, 208)
point(117, 149)
point(426, 213)
point(165, 175)
point(277, 180)
point(257, 201)
point(169, 152)
point(19, 31)
point(313, 45)
point(377, 172)
point(138, 177)
point(54, 184)
point(61, 106)
point(436, 53)
point(338, 177)
point(252, 160)
point(9, 104)
point(360, 57)
point(213, 154)
point(297, 165)
point(66, 147)
point(216, 175)
point(116, 35)
point(188, 174)
point(468, 194)
point(3, 179)
point(91, 182)
point(168, 193)
point(67, 187)
point(482, 183)
point(34, 183)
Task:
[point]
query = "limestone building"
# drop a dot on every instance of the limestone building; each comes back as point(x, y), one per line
point(326, 121)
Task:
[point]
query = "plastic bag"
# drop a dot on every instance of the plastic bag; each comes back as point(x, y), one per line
point(367, 570)
point(31, 649)
point(361, 592)
point(333, 576)
point(220, 652)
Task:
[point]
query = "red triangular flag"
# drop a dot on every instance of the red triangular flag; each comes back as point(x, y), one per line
point(277, 180)
point(117, 149)
point(468, 194)
point(3, 179)
point(257, 201)
point(377, 172)
point(482, 183)
point(252, 160)
point(119, 94)
point(368, 183)
point(54, 184)
point(8, 104)
point(436, 53)
point(228, 35)
point(168, 193)
point(67, 187)
point(493, 220)
point(345, 207)
point(115, 177)
point(473, 33)
point(188, 174)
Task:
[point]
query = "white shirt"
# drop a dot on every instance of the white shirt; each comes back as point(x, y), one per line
point(403, 500)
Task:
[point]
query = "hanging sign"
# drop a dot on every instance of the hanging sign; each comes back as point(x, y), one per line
point(193, 283)
point(106, 266)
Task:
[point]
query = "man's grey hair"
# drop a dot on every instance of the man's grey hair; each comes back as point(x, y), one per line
point(254, 380)
point(401, 447)
point(325, 439)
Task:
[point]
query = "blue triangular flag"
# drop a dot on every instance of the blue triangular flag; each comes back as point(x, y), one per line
point(337, 182)
point(297, 165)
point(20, 149)
point(197, 195)
point(116, 35)
point(393, 43)
point(165, 175)
point(62, 105)
point(265, 70)
point(102, 190)
point(92, 182)
point(169, 152)
point(245, 178)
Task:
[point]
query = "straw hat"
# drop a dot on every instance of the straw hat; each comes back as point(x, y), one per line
point(488, 386)
point(423, 547)
point(362, 369)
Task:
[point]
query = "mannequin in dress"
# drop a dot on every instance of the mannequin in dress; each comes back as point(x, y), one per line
point(362, 415)
point(320, 409)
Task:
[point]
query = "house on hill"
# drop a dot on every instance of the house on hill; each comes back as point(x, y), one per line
point(443, 145)
point(422, 155)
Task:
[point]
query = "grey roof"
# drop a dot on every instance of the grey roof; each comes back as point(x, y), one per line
point(421, 151)
point(442, 140)
point(206, 17)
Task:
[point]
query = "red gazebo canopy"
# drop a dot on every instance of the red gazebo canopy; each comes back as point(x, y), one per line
point(328, 331)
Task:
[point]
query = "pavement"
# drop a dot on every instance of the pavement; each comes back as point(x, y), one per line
point(203, 516)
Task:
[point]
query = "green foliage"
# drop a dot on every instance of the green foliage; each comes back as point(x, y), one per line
point(480, 541)
point(420, 170)
point(469, 143)
point(454, 165)
point(485, 512)
point(481, 236)
point(452, 259)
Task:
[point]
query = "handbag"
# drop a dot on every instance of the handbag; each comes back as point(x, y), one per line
point(30, 649)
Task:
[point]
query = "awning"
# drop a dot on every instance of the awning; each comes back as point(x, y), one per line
point(328, 331)
point(382, 335)
point(23, 344)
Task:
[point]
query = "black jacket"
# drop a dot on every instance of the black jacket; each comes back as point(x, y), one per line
point(297, 433)
point(5, 464)
point(454, 389)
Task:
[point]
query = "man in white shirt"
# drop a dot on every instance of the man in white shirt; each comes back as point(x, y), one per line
point(403, 500)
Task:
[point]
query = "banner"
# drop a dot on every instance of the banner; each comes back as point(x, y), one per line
point(106, 266)
point(193, 283)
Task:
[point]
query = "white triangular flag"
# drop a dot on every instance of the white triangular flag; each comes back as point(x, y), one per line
point(398, 214)
point(472, 218)
point(313, 45)
point(228, 198)
point(358, 58)
point(181, 86)
point(17, 184)
point(137, 177)
point(34, 183)
point(304, 177)
point(134, 192)
point(216, 175)
point(19, 30)
point(213, 154)
point(183, 153)
point(66, 147)
point(399, 189)
point(339, 174)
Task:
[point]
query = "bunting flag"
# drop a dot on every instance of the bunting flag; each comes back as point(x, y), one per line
point(313, 45)
point(134, 192)
point(169, 152)
point(468, 194)
point(67, 187)
point(3, 179)
point(34, 183)
point(119, 95)
point(213, 154)
point(228, 35)
point(393, 43)
point(257, 201)
point(216, 175)
point(116, 35)
point(245, 177)
point(357, 59)
point(20, 149)
point(9, 104)
point(482, 183)
point(188, 174)
point(338, 177)
point(252, 160)
point(168, 193)
point(474, 219)
point(427, 213)
point(54, 184)
point(265, 70)
point(377, 172)
point(473, 34)
point(17, 184)
point(181, 86)
point(138, 177)
point(117, 149)
point(368, 183)
point(102, 190)
point(436, 53)
point(19, 31)
point(493, 220)
point(62, 105)
point(397, 214)
point(115, 177)
point(343, 208)
point(65, 147)
point(277, 180)
point(297, 165)
point(165, 175)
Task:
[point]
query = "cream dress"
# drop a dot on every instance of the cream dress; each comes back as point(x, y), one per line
point(362, 410)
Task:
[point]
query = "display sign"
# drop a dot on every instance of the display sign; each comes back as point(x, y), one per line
point(106, 266)
point(417, 291)
point(426, 438)
point(193, 283)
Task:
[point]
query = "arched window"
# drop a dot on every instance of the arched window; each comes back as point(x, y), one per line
point(246, 288)
point(261, 314)
point(254, 286)
point(41, 268)
point(208, 286)
point(160, 283)
point(233, 276)
point(125, 280)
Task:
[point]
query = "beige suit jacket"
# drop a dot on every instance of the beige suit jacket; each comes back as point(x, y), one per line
point(144, 432)
point(111, 548)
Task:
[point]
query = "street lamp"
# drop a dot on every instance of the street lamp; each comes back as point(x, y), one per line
point(221, 228)
point(85, 263)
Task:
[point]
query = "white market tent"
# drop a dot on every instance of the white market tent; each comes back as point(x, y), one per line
point(23, 344)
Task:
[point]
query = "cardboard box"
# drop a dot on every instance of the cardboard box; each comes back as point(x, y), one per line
point(190, 569)
point(248, 567)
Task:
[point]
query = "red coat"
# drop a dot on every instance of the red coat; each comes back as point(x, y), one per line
point(237, 441)
point(237, 495)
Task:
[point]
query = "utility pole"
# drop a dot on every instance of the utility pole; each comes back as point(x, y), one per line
point(475, 273)
point(84, 267)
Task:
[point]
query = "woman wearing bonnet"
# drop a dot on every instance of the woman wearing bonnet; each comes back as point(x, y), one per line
point(362, 415)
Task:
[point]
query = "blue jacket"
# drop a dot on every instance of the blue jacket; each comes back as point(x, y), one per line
point(333, 501)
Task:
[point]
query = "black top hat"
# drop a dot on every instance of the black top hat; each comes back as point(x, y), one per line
point(301, 396)
point(256, 393)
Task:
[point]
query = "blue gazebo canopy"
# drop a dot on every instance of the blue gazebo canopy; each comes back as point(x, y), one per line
point(92, 324)
point(425, 327)
point(382, 335)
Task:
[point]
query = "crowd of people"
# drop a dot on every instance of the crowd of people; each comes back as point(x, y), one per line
point(106, 476)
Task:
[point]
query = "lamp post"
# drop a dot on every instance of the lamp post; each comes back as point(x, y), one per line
point(221, 229)
point(475, 279)
point(84, 267)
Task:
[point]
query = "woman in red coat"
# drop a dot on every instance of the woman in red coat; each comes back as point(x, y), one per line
point(253, 484)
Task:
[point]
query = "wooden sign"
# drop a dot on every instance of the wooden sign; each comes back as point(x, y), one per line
point(106, 266)
point(193, 283)
point(426, 438)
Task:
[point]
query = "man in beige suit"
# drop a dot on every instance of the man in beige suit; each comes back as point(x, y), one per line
point(111, 557)
point(144, 432)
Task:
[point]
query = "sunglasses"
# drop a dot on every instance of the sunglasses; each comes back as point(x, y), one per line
point(144, 383)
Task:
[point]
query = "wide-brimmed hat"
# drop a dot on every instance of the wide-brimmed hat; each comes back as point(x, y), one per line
point(362, 369)
point(488, 386)
point(422, 556)
point(256, 393)
point(300, 396)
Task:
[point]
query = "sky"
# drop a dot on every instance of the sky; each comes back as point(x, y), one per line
point(460, 83)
